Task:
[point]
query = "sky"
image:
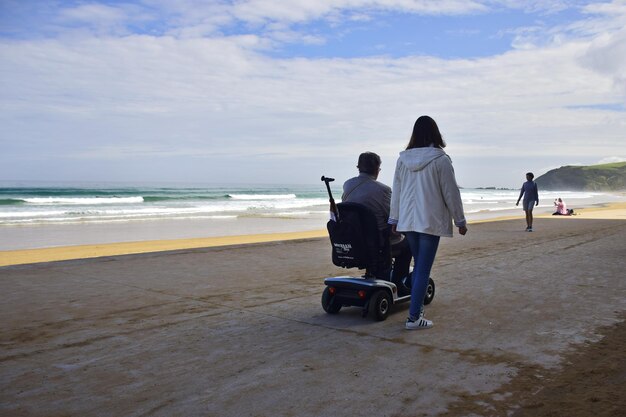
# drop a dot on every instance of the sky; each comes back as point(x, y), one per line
point(283, 92)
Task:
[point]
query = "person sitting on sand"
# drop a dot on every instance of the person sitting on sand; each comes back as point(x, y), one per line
point(531, 199)
point(561, 209)
point(376, 196)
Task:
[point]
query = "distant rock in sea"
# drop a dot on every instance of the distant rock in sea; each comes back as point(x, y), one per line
point(606, 177)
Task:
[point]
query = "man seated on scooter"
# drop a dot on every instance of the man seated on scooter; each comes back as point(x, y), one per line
point(366, 190)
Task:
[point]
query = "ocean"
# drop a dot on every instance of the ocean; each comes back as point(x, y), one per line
point(80, 205)
point(64, 214)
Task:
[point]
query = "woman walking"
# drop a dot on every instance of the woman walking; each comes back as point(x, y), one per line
point(531, 199)
point(424, 201)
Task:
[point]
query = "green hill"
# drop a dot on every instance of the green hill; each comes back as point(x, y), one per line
point(606, 177)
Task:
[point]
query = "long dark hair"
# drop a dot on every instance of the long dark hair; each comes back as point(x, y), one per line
point(426, 133)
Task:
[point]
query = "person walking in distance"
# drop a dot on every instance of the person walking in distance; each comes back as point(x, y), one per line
point(531, 199)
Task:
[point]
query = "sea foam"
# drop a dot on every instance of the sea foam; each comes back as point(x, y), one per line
point(83, 200)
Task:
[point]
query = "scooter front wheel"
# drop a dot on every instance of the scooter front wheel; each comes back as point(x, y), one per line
point(430, 292)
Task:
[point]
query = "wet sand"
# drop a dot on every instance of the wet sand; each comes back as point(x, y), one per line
point(64, 253)
point(616, 211)
point(525, 324)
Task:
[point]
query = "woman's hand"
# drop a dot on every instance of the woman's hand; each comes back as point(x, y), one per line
point(463, 230)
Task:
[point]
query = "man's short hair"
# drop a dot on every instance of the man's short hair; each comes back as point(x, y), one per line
point(369, 163)
point(530, 174)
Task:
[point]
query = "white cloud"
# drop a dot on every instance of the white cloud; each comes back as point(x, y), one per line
point(94, 12)
point(260, 11)
point(530, 6)
point(100, 19)
point(611, 160)
point(199, 18)
point(607, 55)
point(229, 89)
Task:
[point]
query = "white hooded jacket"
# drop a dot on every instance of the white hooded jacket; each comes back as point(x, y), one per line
point(425, 195)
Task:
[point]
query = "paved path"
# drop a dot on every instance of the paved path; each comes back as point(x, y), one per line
point(240, 331)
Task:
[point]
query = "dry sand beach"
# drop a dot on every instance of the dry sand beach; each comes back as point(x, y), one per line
point(526, 324)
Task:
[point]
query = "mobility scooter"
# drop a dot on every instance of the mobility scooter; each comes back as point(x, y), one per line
point(357, 243)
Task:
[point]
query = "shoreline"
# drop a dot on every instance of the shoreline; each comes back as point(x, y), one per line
point(614, 211)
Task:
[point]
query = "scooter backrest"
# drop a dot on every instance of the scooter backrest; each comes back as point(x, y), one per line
point(355, 238)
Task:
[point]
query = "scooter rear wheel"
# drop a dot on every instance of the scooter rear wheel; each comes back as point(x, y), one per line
point(380, 304)
point(328, 303)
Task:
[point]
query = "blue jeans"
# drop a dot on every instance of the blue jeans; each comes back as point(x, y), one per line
point(424, 248)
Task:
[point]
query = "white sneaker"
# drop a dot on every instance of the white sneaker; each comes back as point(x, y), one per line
point(418, 324)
